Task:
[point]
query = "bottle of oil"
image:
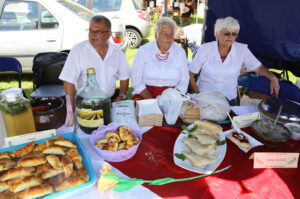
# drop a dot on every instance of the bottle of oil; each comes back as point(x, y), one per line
point(92, 105)
point(17, 113)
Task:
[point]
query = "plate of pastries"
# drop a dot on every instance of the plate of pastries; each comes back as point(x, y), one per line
point(200, 147)
point(46, 168)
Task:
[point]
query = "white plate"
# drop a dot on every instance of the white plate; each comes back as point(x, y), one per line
point(186, 164)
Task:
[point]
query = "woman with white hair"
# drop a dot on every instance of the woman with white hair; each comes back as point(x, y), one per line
point(159, 64)
point(220, 62)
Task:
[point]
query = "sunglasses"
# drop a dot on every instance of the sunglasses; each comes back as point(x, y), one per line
point(227, 34)
point(97, 31)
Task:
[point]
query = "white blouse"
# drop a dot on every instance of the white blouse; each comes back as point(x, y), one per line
point(83, 55)
point(216, 75)
point(147, 69)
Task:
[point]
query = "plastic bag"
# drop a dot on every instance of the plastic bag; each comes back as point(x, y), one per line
point(170, 102)
point(190, 111)
point(213, 105)
point(124, 112)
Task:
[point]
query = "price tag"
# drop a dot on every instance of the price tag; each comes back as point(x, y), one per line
point(276, 160)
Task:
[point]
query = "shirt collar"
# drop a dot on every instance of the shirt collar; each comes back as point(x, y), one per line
point(109, 50)
point(216, 54)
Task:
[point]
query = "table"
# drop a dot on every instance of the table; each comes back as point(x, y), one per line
point(154, 159)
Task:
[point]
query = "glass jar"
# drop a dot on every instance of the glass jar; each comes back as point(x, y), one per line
point(92, 105)
point(16, 112)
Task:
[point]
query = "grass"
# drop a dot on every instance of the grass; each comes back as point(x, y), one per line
point(10, 81)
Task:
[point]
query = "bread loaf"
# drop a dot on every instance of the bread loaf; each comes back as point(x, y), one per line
point(17, 172)
point(76, 157)
point(25, 184)
point(65, 143)
point(23, 150)
point(67, 165)
point(37, 191)
point(70, 182)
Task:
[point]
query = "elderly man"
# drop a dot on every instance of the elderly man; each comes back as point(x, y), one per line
point(108, 60)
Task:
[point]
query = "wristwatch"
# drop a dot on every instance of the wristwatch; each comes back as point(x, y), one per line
point(123, 96)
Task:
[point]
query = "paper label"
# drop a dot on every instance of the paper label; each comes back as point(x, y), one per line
point(246, 120)
point(276, 160)
point(21, 139)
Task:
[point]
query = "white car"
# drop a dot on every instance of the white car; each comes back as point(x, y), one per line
point(136, 20)
point(28, 27)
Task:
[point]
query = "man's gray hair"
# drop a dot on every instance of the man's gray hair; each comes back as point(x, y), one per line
point(164, 22)
point(102, 19)
point(228, 22)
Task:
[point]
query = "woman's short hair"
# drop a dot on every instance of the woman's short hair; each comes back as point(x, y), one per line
point(228, 22)
point(164, 22)
point(102, 19)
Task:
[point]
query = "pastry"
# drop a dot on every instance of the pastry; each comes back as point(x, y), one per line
point(6, 164)
point(36, 191)
point(205, 139)
point(65, 143)
point(23, 150)
point(125, 133)
point(17, 172)
point(54, 161)
point(198, 148)
point(208, 126)
point(8, 195)
point(5, 155)
point(48, 143)
point(25, 184)
point(76, 157)
point(31, 161)
point(51, 172)
point(3, 186)
point(240, 140)
point(56, 150)
point(67, 165)
point(70, 182)
point(199, 160)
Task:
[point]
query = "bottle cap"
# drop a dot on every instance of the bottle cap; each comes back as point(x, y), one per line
point(11, 94)
point(90, 70)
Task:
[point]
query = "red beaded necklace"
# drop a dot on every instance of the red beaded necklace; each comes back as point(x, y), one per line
point(162, 56)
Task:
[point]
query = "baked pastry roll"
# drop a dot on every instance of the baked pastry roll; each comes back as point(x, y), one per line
point(199, 160)
point(51, 172)
point(198, 148)
point(81, 172)
point(206, 139)
point(122, 146)
point(125, 133)
point(8, 195)
point(67, 165)
point(208, 126)
point(76, 157)
point(56, 150)
point(23, 150)
point(65, 143)
point(36, 191)
point(54, 161)
point(41, 168)
point(113, 134)
point(240, 140)
point(6, 164)
point(70, 182)
point(25, 184)
point(31, 161)
point(5, 155)
point(48, 143)
point(33, 154)
point(3, 186)
point(17, 172)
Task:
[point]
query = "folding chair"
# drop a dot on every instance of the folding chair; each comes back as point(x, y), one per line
point(46, 70)
point(10, 64)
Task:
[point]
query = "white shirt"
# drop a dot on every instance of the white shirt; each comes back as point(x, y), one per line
point(84, 55)
point(148, 70)
point(221, 76)
point(193, 34)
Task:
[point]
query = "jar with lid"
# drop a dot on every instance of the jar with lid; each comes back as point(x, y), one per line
point(92, 105)
point(16, 112)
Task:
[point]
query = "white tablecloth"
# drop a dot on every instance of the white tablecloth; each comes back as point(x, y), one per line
point(136, 192)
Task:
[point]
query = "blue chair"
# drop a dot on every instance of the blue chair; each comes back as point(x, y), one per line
point(10, 64)
point(287, 90)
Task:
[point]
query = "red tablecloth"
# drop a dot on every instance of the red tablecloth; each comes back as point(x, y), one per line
point(154, 159)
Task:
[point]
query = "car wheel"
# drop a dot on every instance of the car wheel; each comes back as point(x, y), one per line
point(134, 38)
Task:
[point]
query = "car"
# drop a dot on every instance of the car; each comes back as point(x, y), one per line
point(28, 27)
point(136, 20)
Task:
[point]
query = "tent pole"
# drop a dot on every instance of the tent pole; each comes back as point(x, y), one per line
point(204, 20)
point(197, 11)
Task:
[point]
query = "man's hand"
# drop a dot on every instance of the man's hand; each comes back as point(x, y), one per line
point(274, 87)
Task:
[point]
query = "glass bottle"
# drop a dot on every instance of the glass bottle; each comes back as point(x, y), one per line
point(92, 105)
point(16, 112)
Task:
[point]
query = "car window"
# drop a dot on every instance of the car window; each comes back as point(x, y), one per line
point(19, 15)
point(106, 5)
point(47, 19)
point(82, 12)
point(136, 4)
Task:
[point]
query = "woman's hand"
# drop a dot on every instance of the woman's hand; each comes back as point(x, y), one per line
point(274, 86)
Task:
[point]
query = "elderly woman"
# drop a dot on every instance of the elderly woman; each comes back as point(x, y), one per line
point(220, 63)
point(160, 64)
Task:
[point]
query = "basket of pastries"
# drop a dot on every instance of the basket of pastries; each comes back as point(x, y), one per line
point(116, 142)
point(46, 168)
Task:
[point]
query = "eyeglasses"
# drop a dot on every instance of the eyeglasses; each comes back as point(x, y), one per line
point(98, 31)
point(227, 34)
